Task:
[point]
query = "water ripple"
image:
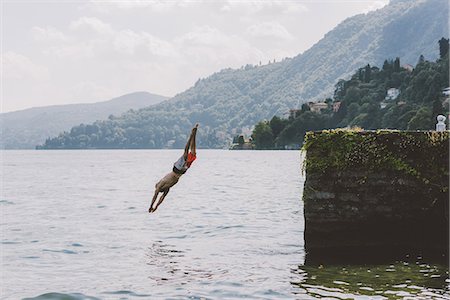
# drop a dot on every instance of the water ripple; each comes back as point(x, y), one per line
point(65, 251)
point(60, 296)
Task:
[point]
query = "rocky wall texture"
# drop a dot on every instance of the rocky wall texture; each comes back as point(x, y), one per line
point(376, 189)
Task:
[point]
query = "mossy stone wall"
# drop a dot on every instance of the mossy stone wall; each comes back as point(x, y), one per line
point(376, 189)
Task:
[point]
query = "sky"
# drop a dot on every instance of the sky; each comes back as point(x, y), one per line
point(61, 52)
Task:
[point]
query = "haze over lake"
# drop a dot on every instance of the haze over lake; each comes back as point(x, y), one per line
point(76, 222)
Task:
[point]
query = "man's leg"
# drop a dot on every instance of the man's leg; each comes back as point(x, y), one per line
point(153, 200)
point(161, 199)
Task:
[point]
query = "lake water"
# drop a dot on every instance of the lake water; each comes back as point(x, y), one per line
point(75, 225)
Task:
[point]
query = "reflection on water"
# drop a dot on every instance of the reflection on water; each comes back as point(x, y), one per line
point(166, 265)
point(411, 278)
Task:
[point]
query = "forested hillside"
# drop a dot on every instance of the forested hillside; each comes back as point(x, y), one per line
point(25, 129)
point(364, 101)
point(231, 100)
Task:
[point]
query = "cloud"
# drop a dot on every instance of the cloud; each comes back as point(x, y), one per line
point(203, 35)
point(234, 6)
point(121, 60)
point(257, 6)
point(128, 41)
point(374, 5)
point(104, 39)
point(74, 50)
point(204, 44)
point(18, 66)
point(48, 34)
point(158, 6)
point(94, 24)
point(269, 30)
point(95, 91)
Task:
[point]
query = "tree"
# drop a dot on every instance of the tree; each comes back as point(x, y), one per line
point(421, 121)
point(353, 95)
point(443, 47)
point(396, 80)
point(397, 65)
point(352, 111)
point(276, 125)
point(387, 66)
point(262, 136)
point(339, 115)
point(360, 74)
point(339, 90)
point(367, 73)
point(241, 140)
point(305, 107)
point(421, 59)
point(433, 83)
point(438, 109)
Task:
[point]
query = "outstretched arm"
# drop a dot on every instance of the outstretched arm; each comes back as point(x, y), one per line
point(193, 146)
point(186, 149)
point(189, 142)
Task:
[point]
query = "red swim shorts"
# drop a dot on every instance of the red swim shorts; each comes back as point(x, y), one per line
point(190, 159)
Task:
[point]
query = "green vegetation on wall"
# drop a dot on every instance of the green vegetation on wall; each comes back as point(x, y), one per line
point(422, 155)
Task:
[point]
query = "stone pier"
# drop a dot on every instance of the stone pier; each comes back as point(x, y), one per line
point(376, 190)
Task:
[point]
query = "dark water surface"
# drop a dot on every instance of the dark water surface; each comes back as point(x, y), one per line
point(75, 225)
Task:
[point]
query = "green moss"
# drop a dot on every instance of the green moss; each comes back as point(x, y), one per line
point(423, 155)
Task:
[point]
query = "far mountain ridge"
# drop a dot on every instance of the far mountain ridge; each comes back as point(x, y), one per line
point(24, 129)
point(134, 98)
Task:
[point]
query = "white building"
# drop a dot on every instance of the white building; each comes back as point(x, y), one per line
point(336, 106)
point(392, 94)
point(317, 106)
point(408, 67)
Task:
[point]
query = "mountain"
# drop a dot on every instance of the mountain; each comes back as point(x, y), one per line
point(25, 129)
point(230, 101)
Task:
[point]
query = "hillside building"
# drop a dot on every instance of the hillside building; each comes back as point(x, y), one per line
point(408, 67)
point(317, 107)
point(336, 106)
point(392, 94)
point(242, 143)
point(293, 113)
